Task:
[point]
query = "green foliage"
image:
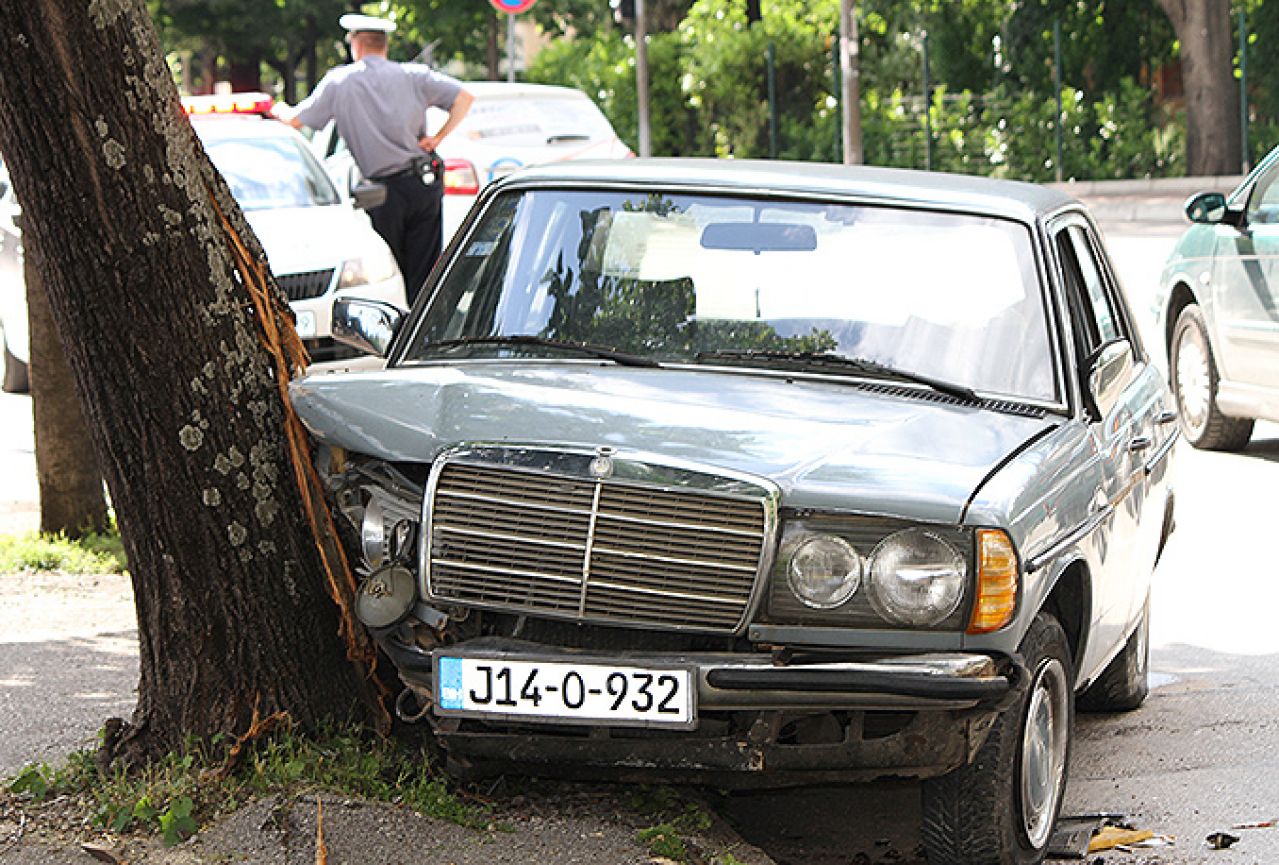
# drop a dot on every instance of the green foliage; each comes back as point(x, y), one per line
point(173, 796)
point(677, 818)
point(91, 554)
point(664, 841)
point(32, 782)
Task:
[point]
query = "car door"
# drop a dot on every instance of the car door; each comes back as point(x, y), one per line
point(1245, 287)
point(1129, 427)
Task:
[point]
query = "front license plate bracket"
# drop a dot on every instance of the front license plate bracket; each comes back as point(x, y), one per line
point(594, 692)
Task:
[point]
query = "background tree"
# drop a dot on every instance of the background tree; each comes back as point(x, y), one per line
point(71, 500)
point(180, 346)
point(1212, 97)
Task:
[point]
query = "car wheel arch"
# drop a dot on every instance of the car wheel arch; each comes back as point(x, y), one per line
point(1179, 298)
point(1070, 602)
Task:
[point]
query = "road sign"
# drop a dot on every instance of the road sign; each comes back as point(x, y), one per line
point(512, 7)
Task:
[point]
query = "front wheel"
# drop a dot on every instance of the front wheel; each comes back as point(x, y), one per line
point(1000, 809)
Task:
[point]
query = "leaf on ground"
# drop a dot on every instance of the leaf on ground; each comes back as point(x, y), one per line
point(103, 854)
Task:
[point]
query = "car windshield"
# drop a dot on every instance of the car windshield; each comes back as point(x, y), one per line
point(718, 279)
point(267, 171)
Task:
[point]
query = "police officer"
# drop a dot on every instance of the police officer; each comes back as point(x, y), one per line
point(380, 110)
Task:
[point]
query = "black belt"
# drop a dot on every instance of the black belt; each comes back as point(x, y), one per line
point(419, 166)
point(401, 173)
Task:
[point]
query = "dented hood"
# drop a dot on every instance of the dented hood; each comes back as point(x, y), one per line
point(826, 444)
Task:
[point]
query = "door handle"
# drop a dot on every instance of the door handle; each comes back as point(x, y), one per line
point(1139, 444)
point(1166, 416)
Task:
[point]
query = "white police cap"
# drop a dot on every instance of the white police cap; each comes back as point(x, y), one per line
point(356, 23)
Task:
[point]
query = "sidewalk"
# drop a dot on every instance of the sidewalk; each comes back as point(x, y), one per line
point(1144, 201)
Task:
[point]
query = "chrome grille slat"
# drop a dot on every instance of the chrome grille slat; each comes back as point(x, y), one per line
point(611, 550)
point(502, 536)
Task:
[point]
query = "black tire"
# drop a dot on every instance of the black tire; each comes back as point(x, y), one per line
point(16, 379)
point(988, 812)
point(1192, 366)
point(1124, 684)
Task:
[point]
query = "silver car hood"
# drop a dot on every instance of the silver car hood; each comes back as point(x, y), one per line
point(826, 444)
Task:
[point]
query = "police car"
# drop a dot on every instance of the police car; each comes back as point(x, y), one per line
point(509, 126)
point(319, 244)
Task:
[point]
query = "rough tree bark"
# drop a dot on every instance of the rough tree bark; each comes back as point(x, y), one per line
point(71, 500)
point(1212, 96)
point(176, 361)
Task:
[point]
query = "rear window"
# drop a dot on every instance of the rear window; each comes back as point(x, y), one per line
point(529, 120)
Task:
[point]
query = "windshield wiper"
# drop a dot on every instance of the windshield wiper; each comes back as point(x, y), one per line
point(619, 357)
point(829, 361)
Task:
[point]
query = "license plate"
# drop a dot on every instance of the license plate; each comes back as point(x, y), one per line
point(564, 691)
point(305, 325)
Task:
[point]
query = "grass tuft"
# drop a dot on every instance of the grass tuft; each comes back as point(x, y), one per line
point(91, 554)
point(174, 796)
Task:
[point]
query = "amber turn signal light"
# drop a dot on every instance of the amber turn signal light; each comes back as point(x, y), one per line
point(996, 582)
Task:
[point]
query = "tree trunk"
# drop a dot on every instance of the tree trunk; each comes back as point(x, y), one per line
point(173, 335)
point(1212, 97)
point(71, 500)
point(246, 75)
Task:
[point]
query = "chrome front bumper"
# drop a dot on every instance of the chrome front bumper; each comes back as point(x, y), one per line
point(737, 682)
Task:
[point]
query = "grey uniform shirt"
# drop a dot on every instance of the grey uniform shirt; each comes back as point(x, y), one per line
point(380, 109)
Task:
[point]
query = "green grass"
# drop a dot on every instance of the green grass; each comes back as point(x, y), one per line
point(92, 554)
point(678, 818)
point(174, 796)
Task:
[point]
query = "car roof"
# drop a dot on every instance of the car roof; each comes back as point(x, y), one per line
point(241, 126)
point(507, 89)
point(1025, 202)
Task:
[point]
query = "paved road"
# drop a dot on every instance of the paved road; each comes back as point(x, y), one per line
point(1197, 758)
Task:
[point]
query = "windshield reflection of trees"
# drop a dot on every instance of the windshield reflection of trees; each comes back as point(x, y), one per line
point(652, 317)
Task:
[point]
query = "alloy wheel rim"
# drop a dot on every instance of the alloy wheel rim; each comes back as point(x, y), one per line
point(1043, 751)
point(1192, 379)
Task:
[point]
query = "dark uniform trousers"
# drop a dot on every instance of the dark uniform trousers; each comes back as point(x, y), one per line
point(410, 223)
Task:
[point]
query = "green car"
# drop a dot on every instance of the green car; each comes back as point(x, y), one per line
point(1218, 307)
point(761, 473)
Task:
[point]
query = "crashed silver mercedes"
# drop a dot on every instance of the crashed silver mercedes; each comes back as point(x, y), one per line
point(761, 473)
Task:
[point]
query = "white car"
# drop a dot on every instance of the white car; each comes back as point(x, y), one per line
point(13, 292)
point(509, 126)
point(319, 244)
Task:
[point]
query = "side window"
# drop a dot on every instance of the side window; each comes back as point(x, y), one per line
point(1089, 298)
point(1263, 202)
point(1091, 304)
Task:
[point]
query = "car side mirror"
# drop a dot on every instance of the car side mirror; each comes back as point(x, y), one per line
point(366, 325)
point(1206, 208)
point(1109, 370)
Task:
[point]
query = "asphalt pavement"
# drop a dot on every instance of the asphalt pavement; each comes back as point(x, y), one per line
point(1200, 757)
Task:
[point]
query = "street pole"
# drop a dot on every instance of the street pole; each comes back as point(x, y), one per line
point(928, 113)
point(1245, 159)
point(510, 48)
point(850, 82)
point(771, 57)
point(641, 78)
point(1057, 87)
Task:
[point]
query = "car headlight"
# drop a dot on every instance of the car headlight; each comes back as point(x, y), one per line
point(378, 266)
point(916, 578)
point(823, 571)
